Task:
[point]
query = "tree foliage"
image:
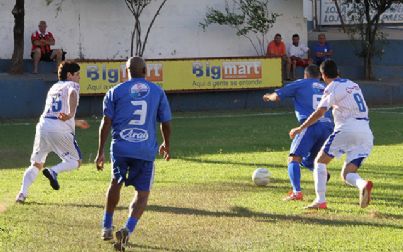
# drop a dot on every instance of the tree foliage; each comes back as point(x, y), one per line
point(137, 7)
point(251, 19)
point(362, 22)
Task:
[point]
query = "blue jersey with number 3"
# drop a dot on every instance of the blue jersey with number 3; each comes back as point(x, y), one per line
point(135, 107)
point(306, 94)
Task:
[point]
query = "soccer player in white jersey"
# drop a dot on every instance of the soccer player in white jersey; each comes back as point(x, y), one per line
point(132, 110)
point(55, 130)
point(351, 136)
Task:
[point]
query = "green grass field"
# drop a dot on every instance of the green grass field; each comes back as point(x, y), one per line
point(204, 199)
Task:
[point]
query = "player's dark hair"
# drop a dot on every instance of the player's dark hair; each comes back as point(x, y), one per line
point(329, 68)
point(67, 67)
point(137, 67)
point(295, 36)
point(277, 35)
point(313, 71)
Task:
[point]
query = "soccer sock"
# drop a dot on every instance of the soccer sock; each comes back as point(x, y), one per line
point(294, 172)
point(30, 175)
point(320, 177)
point(108, 218)
point(131, 223)
point(65, 166)
point(354, 179)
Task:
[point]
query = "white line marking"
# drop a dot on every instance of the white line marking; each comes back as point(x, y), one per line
point(377, 110)
point(232, 116)
point(16, 124)
point(387, 108)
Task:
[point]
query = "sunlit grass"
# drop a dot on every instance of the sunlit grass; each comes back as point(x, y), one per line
point(204, 199)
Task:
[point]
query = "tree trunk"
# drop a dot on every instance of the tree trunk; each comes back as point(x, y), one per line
point(18, 54)
point(368, 67)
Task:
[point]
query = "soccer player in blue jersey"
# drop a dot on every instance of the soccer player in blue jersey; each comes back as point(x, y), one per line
point(132, 110)
point(306, 94)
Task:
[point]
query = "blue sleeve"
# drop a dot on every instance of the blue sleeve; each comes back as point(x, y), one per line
point(328, 47)
point(164, 111)
point(289, 90)
point(109, 105)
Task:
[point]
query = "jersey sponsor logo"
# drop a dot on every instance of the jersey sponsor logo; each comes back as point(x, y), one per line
point(134, 135)
point(317, 85)
point(351, 89)
point(139, 90)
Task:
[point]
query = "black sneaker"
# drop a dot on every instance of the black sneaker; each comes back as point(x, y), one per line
point(52, 176)
point(122, 237)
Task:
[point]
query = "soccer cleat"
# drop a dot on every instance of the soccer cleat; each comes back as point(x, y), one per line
point(107, 234)
point(294, 196)
point(52, 176)
point(365, 194)
point(122, 237)
point(20, 198)
point(316, 205)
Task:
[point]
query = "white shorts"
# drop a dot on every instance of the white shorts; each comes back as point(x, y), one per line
point(355, 144)
point(61, 143)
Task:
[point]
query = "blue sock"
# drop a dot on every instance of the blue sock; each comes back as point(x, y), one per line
point(108, 217)
point(294, 172)
point(131, 224)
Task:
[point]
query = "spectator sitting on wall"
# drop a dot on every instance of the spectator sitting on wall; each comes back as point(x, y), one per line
point(298, 55)
point(276, 48)
point(41, 42)
point(322, 50)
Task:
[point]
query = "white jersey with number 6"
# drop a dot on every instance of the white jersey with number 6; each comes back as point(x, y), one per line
point(57, 101)
point(350, 112)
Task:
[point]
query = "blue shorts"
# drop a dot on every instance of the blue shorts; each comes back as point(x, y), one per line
point(136, 172)
point(308, 143)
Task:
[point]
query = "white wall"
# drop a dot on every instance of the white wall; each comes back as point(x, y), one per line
point(100, 29)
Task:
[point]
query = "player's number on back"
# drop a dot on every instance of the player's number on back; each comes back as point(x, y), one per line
point(56, 104)
point(140, 113)
point(315, 100)
point(360, 102)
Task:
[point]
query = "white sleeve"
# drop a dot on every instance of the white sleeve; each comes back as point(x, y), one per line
point(328, 98)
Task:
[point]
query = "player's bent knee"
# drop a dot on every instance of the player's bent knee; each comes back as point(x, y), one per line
point(39, 166)
point(294, 158)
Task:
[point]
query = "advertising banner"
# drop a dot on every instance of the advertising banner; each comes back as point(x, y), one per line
point(329, 15)
point(187, 74)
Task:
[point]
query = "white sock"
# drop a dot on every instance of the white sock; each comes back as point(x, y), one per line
point(354, 179)
point(30, 175)
point(320, 177)
point(65, 166)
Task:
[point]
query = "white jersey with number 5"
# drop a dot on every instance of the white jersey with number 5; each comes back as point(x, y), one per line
point(350, 112)
point(57, 101)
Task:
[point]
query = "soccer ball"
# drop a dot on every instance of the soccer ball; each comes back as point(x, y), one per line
point(261, 176)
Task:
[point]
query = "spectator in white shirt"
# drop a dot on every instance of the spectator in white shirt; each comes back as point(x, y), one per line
point(298, 54)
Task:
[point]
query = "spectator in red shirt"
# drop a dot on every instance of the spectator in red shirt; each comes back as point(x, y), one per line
point(276, 48)
point(41, 42)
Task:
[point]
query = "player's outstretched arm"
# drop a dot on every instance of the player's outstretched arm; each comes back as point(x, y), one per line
point(104, 129)
point(165, 128)
point(318, 113)
point(271, 97)
point(83, 124)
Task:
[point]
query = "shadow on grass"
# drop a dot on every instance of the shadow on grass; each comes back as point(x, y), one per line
point(246, 213)
point(154, 248)
point(203, 161)
point(243, 212)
